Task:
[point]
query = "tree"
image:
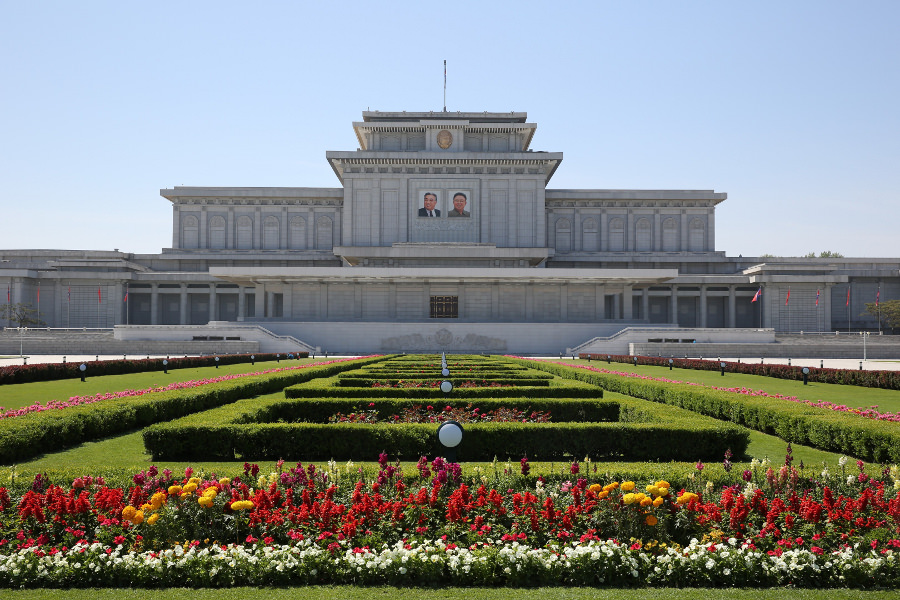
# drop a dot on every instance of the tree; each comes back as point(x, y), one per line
point(824, 254)
point(22, 314)
point(889, 312)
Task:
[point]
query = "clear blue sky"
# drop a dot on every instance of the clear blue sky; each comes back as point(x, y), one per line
point(791, 108)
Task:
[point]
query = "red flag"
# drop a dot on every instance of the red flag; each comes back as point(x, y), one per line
point(817, 298)
point(878, 293)
point(39, 292)
point(757, 294)
point(99, 296)
point(69, 294)
point(848, 295)
point(125, 299)
point(788, 298)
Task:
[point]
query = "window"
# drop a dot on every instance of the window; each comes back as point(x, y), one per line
point(670, 235)
point(217, 233)
point(271, 237)
point(298, 233)
point(445, 307)
point(643, 238)
point(244, 233)
point(190, 232)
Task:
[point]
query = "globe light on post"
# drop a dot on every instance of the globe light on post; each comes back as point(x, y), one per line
point(165, 366)
point(82, 368)
point(805, 372)
point(450, 435)
point(446, 387)
point(252, 359)
point(722, 369)
point(445, 372)
point(217, 362)
point(671, 363)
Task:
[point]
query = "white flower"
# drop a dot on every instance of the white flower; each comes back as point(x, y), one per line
point(842, 460)
point(850, 479)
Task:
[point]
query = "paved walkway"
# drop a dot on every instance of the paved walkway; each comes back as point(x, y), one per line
point(828, 363)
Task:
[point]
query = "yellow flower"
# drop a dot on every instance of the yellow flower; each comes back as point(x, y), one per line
point(651, 520)
point(174, 490)
point(146, 506)
point(205, 501)
point(153, 519)
point(663, 483)
point(128, 512)
point(612, 486)
point(189, 488)
point(224, 481)
point(157, 500)
point(663, 491)
point(194, 480)
point(629, 498)
point(658, 500)
point(602, 495)
point(596, 488)
point(627, 486)
point(687, 497)
point(211, 491)
point(138, 517)
point(242, 505)
point(646, 502)
point(653, 490)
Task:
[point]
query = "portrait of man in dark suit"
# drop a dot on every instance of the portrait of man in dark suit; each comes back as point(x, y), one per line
point(459, 206)
point(429, 210)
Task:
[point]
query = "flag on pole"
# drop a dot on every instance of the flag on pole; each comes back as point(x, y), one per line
point(125, 299)
point(817, 298)
point(8, 294)
point(757, 294)
point(39, 293)
point(848, 295)
point(877, 294)
point(69, 294)
point(788, 297)
point(99, 296)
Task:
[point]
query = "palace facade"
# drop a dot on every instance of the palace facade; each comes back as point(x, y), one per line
point(444, 232)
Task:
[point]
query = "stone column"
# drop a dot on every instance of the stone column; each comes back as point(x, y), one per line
point(176, 226)
point(617, 306)
point(260, 300)
point(183, 302)
point(57, 304)
point(683, 237)
point(118, 317)
point(204, 228)
point(287, 302)
point(627, 303)
point(703, 306)
point(257, 228)
point(600, 302)
point(657, 232)
point(673, 306)
point(732, 318)
point(229, 228)
point(242, 303)
point(563, 303)
point(603, 231)
point(283, 237)
point(645, 304)
point(212, 302)
point(154, 304)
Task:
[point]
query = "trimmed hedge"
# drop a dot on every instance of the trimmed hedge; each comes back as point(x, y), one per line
point(871, 440)
point(645, 431)
point(27, 436)
point(889, 380)
point(366, 382)
point(97, 368)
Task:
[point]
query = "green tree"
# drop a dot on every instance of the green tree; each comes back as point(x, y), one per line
point(824, 254)
point(22, 315)
point(889, 312)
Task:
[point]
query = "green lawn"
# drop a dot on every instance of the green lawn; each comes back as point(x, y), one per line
point(25, 394)
point(854, 396)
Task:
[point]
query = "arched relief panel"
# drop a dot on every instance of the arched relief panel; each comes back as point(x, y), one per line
point(697, 235)
point(244, 233)
point(616, 234)
point(217, 233)
point(670, 235)
point(590, 238)
point(297, 234)
point(324, 233)
point(643, 235)
point(271, 236)
point(563, 235)
point(190, 232)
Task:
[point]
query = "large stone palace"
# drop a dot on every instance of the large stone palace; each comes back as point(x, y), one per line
point(445, 234)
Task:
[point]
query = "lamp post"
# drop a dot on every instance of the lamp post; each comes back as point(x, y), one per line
point(450, 434)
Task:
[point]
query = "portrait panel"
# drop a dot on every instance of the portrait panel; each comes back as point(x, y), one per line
point(430, 204)
point(460, 203)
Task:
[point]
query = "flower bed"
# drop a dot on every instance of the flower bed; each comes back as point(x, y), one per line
point(305, 525)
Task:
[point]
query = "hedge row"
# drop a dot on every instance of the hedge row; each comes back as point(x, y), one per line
point(645, 431)
point(27, 436)
point(889, 380)
point(871, 440)
point(96, 368)
point(366, 382)
point(329, 388)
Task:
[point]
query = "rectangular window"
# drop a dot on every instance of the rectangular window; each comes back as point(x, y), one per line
point(445, 307)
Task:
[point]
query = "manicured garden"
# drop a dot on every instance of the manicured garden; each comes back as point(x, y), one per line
point(565, 477)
